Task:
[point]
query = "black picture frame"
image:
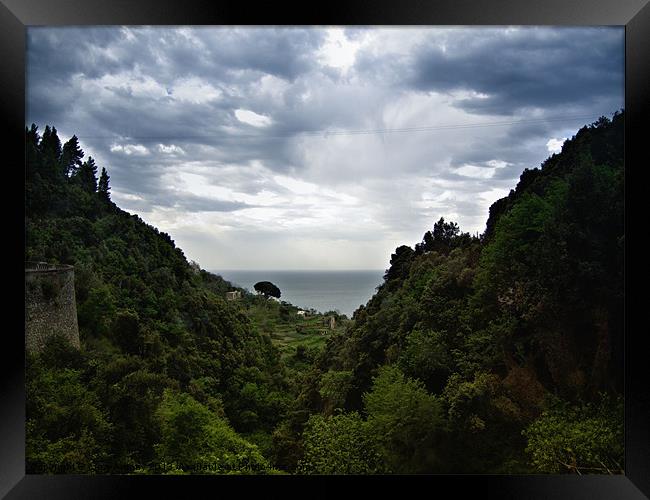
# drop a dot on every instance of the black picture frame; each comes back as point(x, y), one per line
point(15, 15)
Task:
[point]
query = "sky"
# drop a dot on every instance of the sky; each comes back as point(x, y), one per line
point(317, 147)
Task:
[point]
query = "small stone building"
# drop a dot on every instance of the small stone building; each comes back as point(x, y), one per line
point(236, 295)
point(50, 305)
point(329, 322)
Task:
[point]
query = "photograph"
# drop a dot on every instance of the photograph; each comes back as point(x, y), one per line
point(317, 249)
point(325, 250)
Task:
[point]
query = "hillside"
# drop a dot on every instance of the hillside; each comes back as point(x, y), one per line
point(515, 337)
point(159, 342)
point(493, 354)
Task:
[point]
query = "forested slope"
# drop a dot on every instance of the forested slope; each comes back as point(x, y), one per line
point(509, 344)
point(167, 368)
point(493, 354)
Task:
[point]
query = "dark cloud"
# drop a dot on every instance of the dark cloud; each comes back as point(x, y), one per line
point(524, 69)
point(158, 107)
point(54, 56)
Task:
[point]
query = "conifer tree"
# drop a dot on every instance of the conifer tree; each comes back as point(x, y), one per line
point(50, 147)
point(32, 139)
point(71, 156)
point(103, 188)
point(87, 175)
point(32, 135)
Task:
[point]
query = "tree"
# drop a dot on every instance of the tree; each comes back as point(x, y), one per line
point(103, 188)
point(585, 438)
point(406, 421)
point(50, 149)
point(127, 332)
point(71, 156)
point(339, 445)
point(132, 400)
point(334, 386)
point(444, 237)
point(67, 430)
point(425, 356)
point(87, 175)
point(268, 289)
point(147, 322)
point(195, 440)
point(50, 143)
point(32, 135)
point(96, 310)
point(400, 263)
point(32, 140)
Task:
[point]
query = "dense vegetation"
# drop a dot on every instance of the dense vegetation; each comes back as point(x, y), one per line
point(165, 359)
point(493, 354)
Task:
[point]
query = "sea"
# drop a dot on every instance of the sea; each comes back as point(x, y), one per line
point(342, 291)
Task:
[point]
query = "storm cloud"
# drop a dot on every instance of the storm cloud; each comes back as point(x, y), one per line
point(312, 148)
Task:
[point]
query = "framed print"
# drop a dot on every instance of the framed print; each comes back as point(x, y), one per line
point(384, 244)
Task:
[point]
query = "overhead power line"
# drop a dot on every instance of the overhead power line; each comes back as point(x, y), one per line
point(325, 133)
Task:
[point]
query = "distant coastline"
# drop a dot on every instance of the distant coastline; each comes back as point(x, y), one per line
point(322, 290)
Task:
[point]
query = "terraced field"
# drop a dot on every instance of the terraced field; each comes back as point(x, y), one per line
point(287, 329)
point(309, 332)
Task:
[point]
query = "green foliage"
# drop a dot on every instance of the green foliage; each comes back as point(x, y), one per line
point(584, 438)
point(127, 332)
point(493, 324)
point(444, 237)
point(148, 321)
point(339, 444)
point(473, 404)
point(71, 156)
point(195, 440)
point(86, 176)
point(97, 311)
point(440, 371)
point(67, 455)
point(400, 263)
point(57, 353)
point(102, 187)
point(287, 441)
point(334, 386)
point(66, 424)
point(132, 401)
point(406, 421)
point(426, 358)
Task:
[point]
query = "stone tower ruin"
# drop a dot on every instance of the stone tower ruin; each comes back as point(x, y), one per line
point(50, 306)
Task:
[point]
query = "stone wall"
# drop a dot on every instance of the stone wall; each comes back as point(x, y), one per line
point(50, 306)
